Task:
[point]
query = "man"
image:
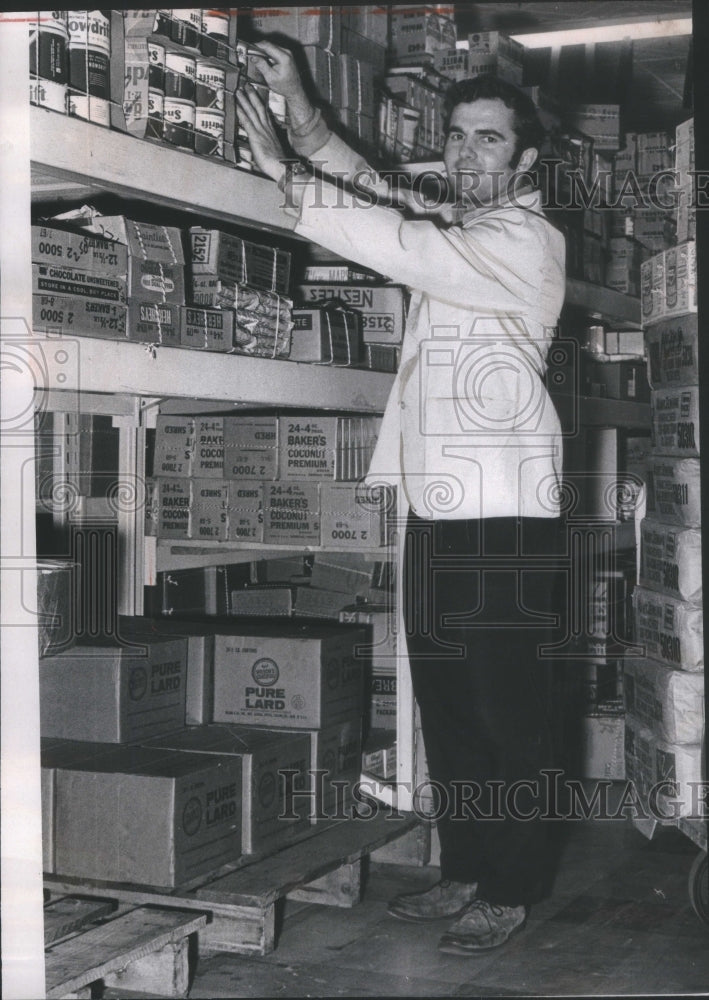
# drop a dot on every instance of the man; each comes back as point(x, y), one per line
point(472, 439)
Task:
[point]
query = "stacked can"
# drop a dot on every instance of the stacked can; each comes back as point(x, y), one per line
point(186, 27)
point(49, 40)
point(215, 32)
point(90, 65)
point(156, 91)
point(179, 106)
point(210, 98)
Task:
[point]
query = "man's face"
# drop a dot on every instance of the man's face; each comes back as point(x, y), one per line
point(480, 145)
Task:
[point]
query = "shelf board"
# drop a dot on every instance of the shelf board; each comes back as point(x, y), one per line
point(602, 303)
point(188, 554)
point(76, 160)
point(123, 367)
point(596, 411)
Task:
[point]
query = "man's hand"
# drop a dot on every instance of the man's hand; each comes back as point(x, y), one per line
point(265, 145)
point(277, 67)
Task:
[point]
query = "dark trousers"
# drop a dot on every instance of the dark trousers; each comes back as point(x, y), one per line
point(478, 598)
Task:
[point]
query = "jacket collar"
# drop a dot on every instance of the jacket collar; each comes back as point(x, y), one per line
point(529, 199)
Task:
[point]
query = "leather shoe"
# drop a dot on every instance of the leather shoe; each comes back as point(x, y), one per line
point(444, 899)
point(482, 927)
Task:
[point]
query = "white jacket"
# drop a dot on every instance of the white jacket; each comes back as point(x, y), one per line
point(469, 430)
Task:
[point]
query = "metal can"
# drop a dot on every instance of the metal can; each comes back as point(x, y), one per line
point(210, 86)
point(49, 40)
point(156, 114)
point(89, 65)
point(186, 27)
point(180, 73)
point(209, 132)
point(215, 33)
point(178, 125)
point(156, 69)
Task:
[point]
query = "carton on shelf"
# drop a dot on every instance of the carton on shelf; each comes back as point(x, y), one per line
point(291, 513)
point(493, 52)
point(209, 510)
point(669, 702)
point(207, 329)
point(602, 745)
point(245, 510)
point(348, 518)
point(675, 421)
point(174, 497)
point(670, 560)
point(671, 772)
point(672, 350)
point(286, 676)
point(149, 817)
point(382, 307)
point(90, 254)
point(307, 447)
point(271, 812)
point(250, 447)
point(676, 490)
point(669, 630)
point(382, 704)
point(134, 690)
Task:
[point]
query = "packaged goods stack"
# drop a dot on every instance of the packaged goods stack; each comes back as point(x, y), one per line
point(182, 69)
point(277, 480)
point(123, 281)
point(250, 281)
point(664, 691)
point(382, 311)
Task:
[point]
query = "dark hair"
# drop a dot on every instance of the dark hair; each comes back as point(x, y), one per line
point(528, 129)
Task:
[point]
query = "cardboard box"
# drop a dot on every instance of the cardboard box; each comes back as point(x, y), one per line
point(671, 560)
point(675, 421)
point(283, 676)
point(311, 602)
point(272, 811)
point(672, 346)
point(307, 25)
point(371, 22)
point(199, 591)
point(77, 250)
point(207, 329)
point(382, 702)
point(56, 754)
point(291, 513)
point(81, 317)
point(209, 510)
point(151, 817)
point(134, 691)
point(676, 489)
point(174, 446)
point(669, 630)
point(417, 35)
point(382, 307)
point(603, 746)
point(326, 336)
point(353, 43)
point(617, 380)
point(199, 639)
point(208, 462)
point(306, 446)
point(669, 702)
point(348, 520)
point(245, 504)
point(230, 258)
point(666, 773)
point(250, 447)
point(174, 500)
point(264, 600)
point(379, 757)
point(493, 52)
point(681, 279)
point(599, 121)
point(335, 767)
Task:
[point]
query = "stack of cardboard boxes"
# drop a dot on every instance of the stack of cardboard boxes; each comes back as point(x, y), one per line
point(204, 742)
point(664, 692)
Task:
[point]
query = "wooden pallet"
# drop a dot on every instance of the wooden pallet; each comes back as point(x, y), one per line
point(242, 904)
point(138, 949)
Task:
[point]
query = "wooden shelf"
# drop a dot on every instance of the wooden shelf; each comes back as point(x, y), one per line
point(187, 554)
point(130, 369)
point(602, 303)
point(76, 160)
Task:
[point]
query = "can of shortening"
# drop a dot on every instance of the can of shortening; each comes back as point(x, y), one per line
point(209, 132)
point(179, 118)
point(215, 32)
point(49, 40)
point(89, 65)
point(156, 114)
point(180, 76)
point(186, 27)
point(156, 69)
point(210, 86)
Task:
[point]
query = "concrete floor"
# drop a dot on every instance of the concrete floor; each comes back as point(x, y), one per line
point(619, 922)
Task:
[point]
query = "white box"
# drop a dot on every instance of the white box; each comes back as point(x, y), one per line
point(671, 772)
point(671, 560)
point(676, 489)
point(307, 446)
point(602, 746)
point(672, 346)
point(669, 630)
point(348, 519)
point(669, 702)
